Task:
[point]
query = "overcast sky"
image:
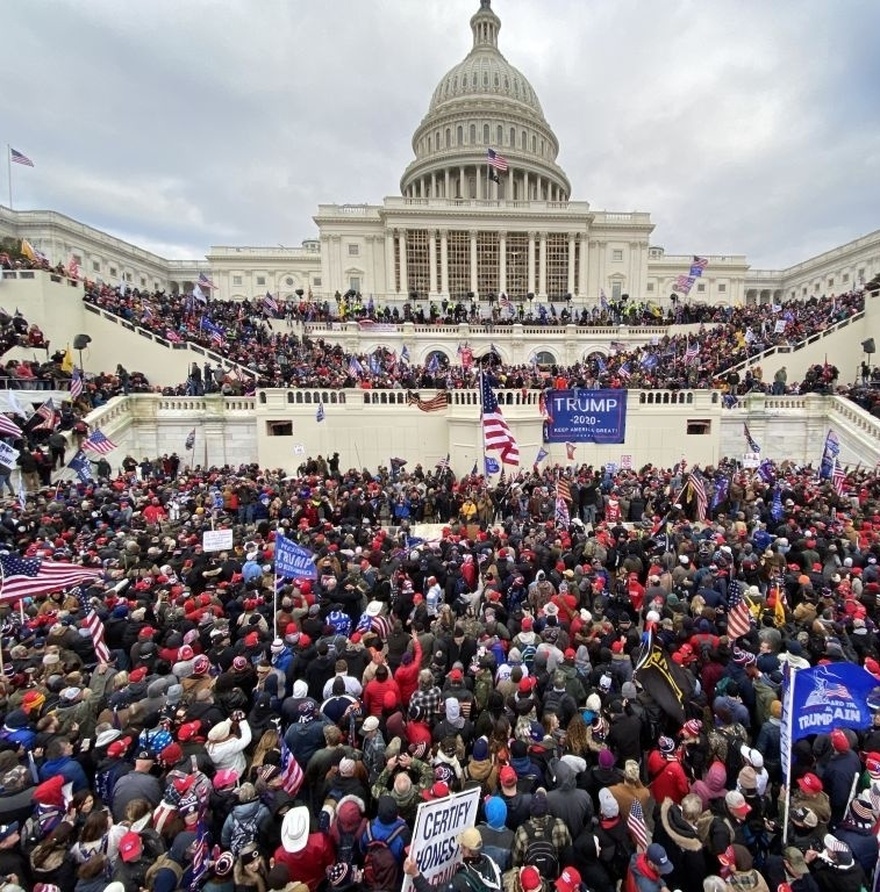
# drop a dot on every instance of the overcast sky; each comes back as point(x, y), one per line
point(742, 126)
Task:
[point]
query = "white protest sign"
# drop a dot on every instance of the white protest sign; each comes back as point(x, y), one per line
point(751, 459)
point(216, 540)
point(435, 837)
point(779, 328)
point(626, 462)
point(8, 455)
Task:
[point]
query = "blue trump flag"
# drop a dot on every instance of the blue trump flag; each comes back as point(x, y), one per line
point(492, 466)
point(818, 700)
point(293, 561)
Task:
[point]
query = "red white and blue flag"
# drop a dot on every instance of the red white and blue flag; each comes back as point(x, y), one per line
point(496, 432)
point(17, 157)
point(100, 443)
point(499, 162)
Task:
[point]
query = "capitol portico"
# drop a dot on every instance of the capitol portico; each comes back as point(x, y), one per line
point(462, 229)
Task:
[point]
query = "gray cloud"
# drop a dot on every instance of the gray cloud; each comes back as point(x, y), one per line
point(741, 126)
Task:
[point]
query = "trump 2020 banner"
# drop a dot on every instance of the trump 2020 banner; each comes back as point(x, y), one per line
point(829, 697)
point(585, 416)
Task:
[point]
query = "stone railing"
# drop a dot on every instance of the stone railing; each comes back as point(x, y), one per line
point(855, 416)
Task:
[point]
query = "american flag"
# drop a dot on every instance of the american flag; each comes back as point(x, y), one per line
point(563, 489)
point(443, 464)
point(291, 771)
point(738, 617)
point(9, 429)
point(44, 417)
point(173, 336)
point(683, 284)
point(838, 478)
point(569, 450)
point(697, 267)
point(100, 443)
point(73, 267)
point(699, 490)
point(624, 371)
point(635, 823)
point(269, 303)
point(354, 367)
point(16, 157)
point(190, 439)
point(214, 330)
point(563, 516)
point(495, 160)
point(204, 281)
point(434, 404)
point(76, 385)
point(200, 855)
point(95, 627)
point(199, 295)
point(692, 351)
point(496, 433)
point(22, 577)
point(753, 446)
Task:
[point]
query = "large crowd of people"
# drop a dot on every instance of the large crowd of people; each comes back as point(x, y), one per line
point(252, 335)
point(247, 733)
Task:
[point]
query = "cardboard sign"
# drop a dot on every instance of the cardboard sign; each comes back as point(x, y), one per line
point(435, 837)
point(8, 455)
point(216, 540)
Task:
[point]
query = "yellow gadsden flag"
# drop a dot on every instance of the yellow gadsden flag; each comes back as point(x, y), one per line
point(67, 362)
point(28, 250)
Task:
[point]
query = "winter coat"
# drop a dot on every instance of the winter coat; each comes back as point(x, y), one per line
point(863, 844)
point(713, 786)
point(837, 778)
point(669, 782)
point(567, 802)
point(684, 848)
point(836, 879)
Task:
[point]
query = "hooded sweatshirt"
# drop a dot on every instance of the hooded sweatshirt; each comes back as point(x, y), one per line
point(713, 786)
point(566, 801)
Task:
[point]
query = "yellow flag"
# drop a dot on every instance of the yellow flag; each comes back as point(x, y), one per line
point(67, 362)
point(779, 609)
point(28, 250)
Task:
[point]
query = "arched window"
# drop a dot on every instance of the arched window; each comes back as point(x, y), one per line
point(499, 134)
point(523, 140)
point(534, 144)
point(485, 78)
point(459, 136)
point(512, 138)
point(448, 138)
point(437, 139)
point(429, 143)
point(485, 133)
point(545, 357)
point(455, 83)
point(506, 82)
point(497, 81)
point(473, 134)
point(474, 79)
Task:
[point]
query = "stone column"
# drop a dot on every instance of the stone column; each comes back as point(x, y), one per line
point(584, 289)
point(444, 262)
point(525, 194)
point(474, 261)
point(461, 183)
point(502, 262)
point(401, 242)
point(432, 261)
point(479, 184)
point(571, 262)
point(542, 274)
point(446, 184)
point(433, 185)
point(531, 274)
point(390, 279)
point(600, 263)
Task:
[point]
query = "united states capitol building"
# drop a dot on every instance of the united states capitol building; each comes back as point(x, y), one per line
point(461, 230)
point(456, 233)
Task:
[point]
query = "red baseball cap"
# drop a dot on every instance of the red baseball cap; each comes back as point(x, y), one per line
point(569, 880)
point(811, 784)
point(130, 847)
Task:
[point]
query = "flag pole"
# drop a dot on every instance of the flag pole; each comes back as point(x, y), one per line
point(9, 172)
point(482, 429)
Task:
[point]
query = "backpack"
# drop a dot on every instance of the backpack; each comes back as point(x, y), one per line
point(381, 870)
point(243, 833)
point(164, 861)
point(483, 686)
point(540, 851)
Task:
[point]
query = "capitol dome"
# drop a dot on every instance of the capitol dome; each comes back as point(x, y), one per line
point(485, 103)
